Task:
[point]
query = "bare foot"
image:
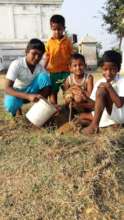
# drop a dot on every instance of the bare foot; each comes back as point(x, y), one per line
point(91, 130)
point(77, 121)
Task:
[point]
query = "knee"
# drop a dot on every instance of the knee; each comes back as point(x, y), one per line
point(44, 77)
point(43, 80)
point(39, 76)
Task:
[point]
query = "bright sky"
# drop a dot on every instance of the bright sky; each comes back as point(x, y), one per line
point(84, 17)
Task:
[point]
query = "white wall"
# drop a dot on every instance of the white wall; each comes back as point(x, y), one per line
point(27, 21)
point(6, 22)
point(89, 51)
point(22, 22)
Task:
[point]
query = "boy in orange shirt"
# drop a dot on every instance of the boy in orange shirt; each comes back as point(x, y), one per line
point(57, 56)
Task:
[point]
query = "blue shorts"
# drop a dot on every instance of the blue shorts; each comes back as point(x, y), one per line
point(12, 103)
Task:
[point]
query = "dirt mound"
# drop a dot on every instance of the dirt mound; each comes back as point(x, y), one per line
point(66, 128)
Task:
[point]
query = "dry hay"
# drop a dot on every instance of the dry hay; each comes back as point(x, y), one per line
point(47, 176)
point(67, 128)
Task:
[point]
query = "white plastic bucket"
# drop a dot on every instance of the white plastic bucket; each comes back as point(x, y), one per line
point(40, 112)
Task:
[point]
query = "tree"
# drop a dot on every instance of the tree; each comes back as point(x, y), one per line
point(98, 49)
point(114, 18)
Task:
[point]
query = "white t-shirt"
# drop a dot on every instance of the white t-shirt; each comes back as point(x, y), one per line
point(21, 74)
point(117, 115)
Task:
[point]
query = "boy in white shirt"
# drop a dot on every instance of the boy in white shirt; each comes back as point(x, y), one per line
point(26, 80)
point(107, 98)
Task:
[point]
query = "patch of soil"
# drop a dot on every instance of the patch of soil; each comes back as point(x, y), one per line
point(66, 128)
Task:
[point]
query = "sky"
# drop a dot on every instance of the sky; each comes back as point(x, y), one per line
point(84, 17)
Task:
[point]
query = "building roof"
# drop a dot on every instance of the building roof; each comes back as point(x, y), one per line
point(88, 39)
point(56, 2)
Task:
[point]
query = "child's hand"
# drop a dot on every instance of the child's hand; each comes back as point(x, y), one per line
point(76, 90)
point(45, 60)
point(84, 96)
point(78, 98)
point(34, 97)
point(58, 109)
point(68, 98)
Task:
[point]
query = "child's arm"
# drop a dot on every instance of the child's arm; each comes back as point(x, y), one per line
point(45, 60)
point(89, 85)
point(117, 100)
point(46, 55)
point(71, 49)
point(11, 91)
point(66, 84)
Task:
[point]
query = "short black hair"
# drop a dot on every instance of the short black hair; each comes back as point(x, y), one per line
point(76, 56)
point(35, 44)
point(112, 56)
point(59, 19)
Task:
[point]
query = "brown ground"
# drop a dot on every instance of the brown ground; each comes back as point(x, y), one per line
point(48, 176)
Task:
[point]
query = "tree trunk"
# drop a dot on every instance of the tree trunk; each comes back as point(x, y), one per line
point(120, 42)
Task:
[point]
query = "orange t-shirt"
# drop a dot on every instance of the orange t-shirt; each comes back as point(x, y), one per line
point(58, 52)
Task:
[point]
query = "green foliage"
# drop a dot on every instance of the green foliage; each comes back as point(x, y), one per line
point(114, 17)
point(116, 49)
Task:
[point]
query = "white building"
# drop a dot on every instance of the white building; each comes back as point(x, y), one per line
point(21, 20)
point(87, 47)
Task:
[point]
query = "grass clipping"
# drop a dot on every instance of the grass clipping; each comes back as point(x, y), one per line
point(46, 176)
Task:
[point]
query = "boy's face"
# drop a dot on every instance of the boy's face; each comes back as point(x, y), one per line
point(109, 71)
point(57, 30)
point(33, 56)
point(77, 67)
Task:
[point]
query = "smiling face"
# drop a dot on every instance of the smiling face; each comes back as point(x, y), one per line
point(77, 67)
point(33, 56)
point(57, 30)
point(110, 71)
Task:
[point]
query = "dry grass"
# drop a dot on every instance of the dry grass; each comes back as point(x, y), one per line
point(47, 176)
